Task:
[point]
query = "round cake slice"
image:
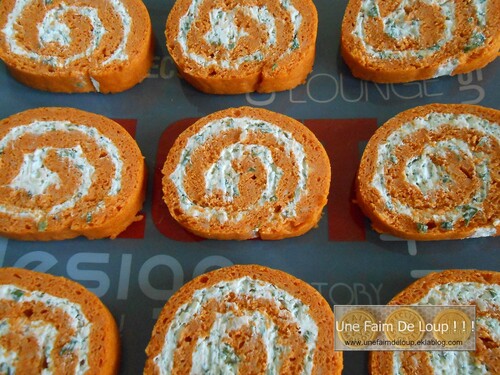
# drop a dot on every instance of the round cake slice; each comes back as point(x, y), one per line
point(433, 173)
point(452, 287)
point(244, 320)
point(66, 173)
point(402, 41)
point(52, 325)
point(76, 45)
point(246, 173)
point(233, 47)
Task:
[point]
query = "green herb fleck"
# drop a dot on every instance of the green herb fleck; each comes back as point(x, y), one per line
point(5, 369)
point(475, 41)
point(42, 225)
point(422, 227)
point(68, 348)
point(307, 336)
point(273, 68)
point(17, 294)
point(295, 44)
point(88, 217)
point(251, 169)
point(47, 2)
point(274, 198)
point(468, 212)
point(229, 356)
point(447, 225)
point(80, 84)
point(492, 293)
point(373, 12)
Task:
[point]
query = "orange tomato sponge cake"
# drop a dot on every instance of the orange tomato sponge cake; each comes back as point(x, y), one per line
point(433, 172)
point(402, 41)
point(66, 173)
point(232, 47)
point(452, 287)
point(76, 45)
point(245, 173)
point(244, 320)
point(51, 325)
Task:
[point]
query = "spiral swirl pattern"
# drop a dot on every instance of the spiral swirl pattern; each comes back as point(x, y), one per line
point(447, 288)
point(407, 40)
point(230, 47)
point(436, 172)
point(53, 29)
point(426, 174)
point(60, 172)
point(225, 32)
point(234, 317)
point(487, 325)
point(54, 345)
point(35, 182)
point(76, 45)
point(242, 172)
point(222, 176)
point(244, 319)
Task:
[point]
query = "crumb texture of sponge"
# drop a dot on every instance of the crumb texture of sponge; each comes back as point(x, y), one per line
point(54, 325)
point(246, 173)
point(448, 288)
point(402, 41)
point(234, 47)
point(433, 173)
point(76, 45)
point(252, 319)
point(66, 173)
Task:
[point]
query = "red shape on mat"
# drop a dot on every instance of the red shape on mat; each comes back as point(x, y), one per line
point(165, 223)
point(341, 139)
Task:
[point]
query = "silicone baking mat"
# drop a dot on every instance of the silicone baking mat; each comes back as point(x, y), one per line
point(343, 258)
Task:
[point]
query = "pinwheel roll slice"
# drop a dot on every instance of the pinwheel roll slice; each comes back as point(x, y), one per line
point(244, 320)
point(245, 173)
point(452, 287)
point(76, 45)
point(231, 47)
point(51, 325)
point(433, 172)
point(66, 173)
point(408, 40)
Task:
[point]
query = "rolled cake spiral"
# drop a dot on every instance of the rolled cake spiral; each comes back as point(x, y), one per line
point(65, 173)
point(76, 45)
point(453, 287)
point(245, 173)
point(407, 40)
point(244, 320)
point(51, 325)
point(433, 172)
point(230, 47)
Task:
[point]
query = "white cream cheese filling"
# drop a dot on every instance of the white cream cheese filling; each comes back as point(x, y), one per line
point(53, 30)
point(34, 177)
point(46, 333)
point(224, 32)
point(222, 176)
point(486, 297)
point(212, 351)
point(420, 168)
